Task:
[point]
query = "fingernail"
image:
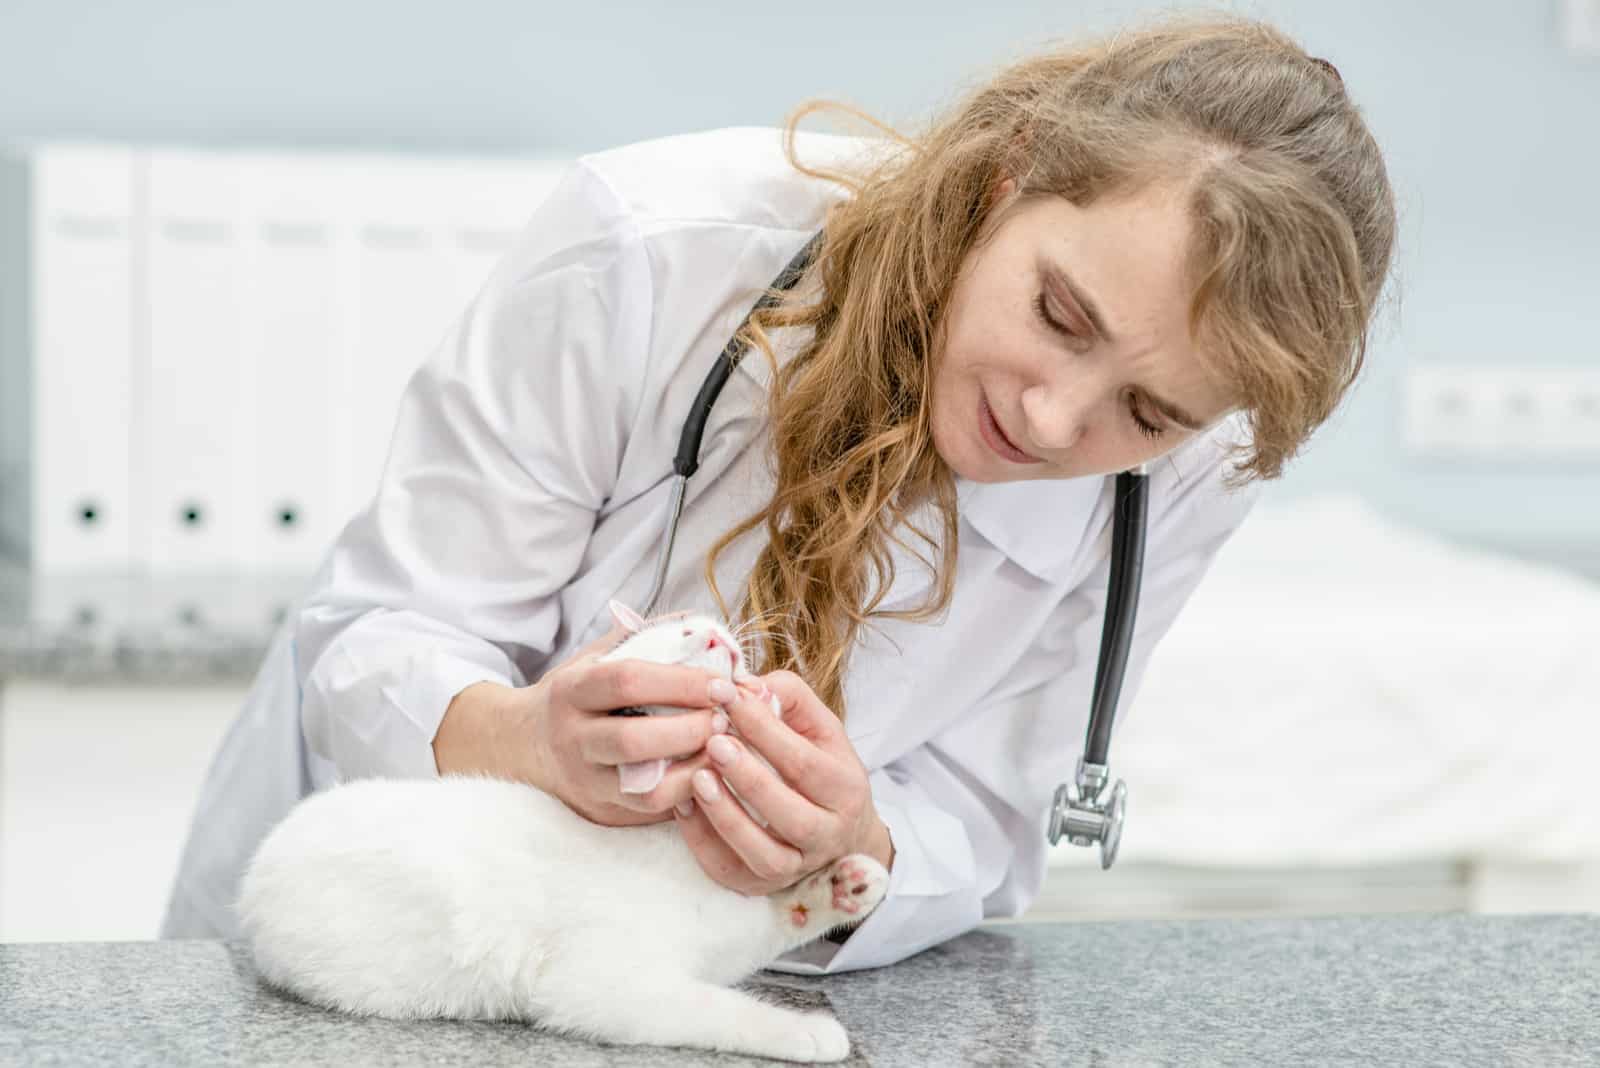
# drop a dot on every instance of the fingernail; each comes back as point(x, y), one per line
point(685, 808)
point(743, 676)
point(705, 784)
point(719, 723)
point(722, 750)
point(722, 691)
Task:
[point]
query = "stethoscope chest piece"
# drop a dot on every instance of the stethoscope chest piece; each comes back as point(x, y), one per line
point(1080, 817)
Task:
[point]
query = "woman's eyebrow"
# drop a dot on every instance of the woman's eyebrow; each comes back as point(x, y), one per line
point(1091, 311)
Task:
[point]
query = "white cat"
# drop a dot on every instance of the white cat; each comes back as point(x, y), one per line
point(475, 898)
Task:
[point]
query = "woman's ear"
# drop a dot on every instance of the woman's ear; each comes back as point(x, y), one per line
point(1002, 190)
point(626, 618)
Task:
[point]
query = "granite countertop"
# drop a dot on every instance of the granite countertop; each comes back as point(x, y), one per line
point(1369, 990)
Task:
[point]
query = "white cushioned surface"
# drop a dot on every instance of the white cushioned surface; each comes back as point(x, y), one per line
point(1344, 690)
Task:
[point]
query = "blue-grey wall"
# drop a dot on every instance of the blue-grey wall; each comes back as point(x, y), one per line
point(1491, 129)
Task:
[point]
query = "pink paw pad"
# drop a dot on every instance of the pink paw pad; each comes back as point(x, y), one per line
point(849, 882)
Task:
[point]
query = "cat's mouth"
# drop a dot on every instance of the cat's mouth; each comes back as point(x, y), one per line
point(732, 651)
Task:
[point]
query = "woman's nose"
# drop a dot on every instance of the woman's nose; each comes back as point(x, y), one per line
point(1055, 419)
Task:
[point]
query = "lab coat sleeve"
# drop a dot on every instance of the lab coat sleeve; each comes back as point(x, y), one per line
point(968, 810)
point(506, 444)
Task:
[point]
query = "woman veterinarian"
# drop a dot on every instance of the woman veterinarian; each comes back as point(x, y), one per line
point(1164, 247)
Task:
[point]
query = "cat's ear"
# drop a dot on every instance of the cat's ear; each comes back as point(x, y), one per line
point(627, 618)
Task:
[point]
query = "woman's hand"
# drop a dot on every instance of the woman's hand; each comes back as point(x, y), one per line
point(557, 734)
point(818, 806)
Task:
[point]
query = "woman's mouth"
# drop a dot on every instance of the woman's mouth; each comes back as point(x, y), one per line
point(996, 438)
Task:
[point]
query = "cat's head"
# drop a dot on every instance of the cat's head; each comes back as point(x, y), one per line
point(692, 639)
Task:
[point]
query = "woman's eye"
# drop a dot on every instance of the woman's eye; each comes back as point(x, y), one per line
point(1147, 429)
point(1041, 307)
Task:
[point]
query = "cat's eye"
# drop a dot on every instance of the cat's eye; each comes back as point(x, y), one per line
point(688, 633)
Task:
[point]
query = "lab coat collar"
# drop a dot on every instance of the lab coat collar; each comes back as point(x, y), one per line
point(1042, 525)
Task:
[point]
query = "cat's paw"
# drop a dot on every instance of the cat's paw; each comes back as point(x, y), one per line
point(843, 892)
point(839, 895)
point(829, 1036)
point(807, 1037)
point(815, 1038)
point(858, 883)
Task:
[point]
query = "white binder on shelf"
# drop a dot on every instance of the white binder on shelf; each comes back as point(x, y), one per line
point(401, 301)
point(216, 345)
point(293, 243)
point(195, 427)
point(81, 359)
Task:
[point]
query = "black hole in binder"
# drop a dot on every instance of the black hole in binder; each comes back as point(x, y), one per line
point(86, 615)
point(189, 615)
point(192, 514)
point(287, 515)
point(88, 512)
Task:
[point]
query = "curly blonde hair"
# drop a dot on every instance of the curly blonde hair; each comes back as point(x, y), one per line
point(1292, 231)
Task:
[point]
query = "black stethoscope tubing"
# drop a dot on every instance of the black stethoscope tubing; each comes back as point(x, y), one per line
point(1081, 816)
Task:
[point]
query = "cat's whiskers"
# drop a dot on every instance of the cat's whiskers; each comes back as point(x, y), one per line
point(742, 632)
point(784, 638)
point(753, 620)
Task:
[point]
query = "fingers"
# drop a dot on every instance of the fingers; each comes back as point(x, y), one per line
point(610, 815)
point(789, 815)
point(599, 687)
point(641, 778)
point(769, 860)
point(675, 787)
point(803, 710)
point(613, 740)
point(802, 761)
point(715, 857)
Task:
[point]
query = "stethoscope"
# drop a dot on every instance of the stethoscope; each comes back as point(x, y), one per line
point(1084, 812)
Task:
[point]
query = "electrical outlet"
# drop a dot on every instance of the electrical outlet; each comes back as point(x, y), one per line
point(1493, 412)
point(1580, 26)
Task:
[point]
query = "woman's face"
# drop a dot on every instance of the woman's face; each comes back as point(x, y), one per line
point(1070, 392)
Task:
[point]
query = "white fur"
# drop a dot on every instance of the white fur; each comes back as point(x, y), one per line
point(475, 898)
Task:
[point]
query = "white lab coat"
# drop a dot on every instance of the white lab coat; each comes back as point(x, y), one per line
point(526, 485)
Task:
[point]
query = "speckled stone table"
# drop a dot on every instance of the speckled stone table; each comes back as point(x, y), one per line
point(1360, 990)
